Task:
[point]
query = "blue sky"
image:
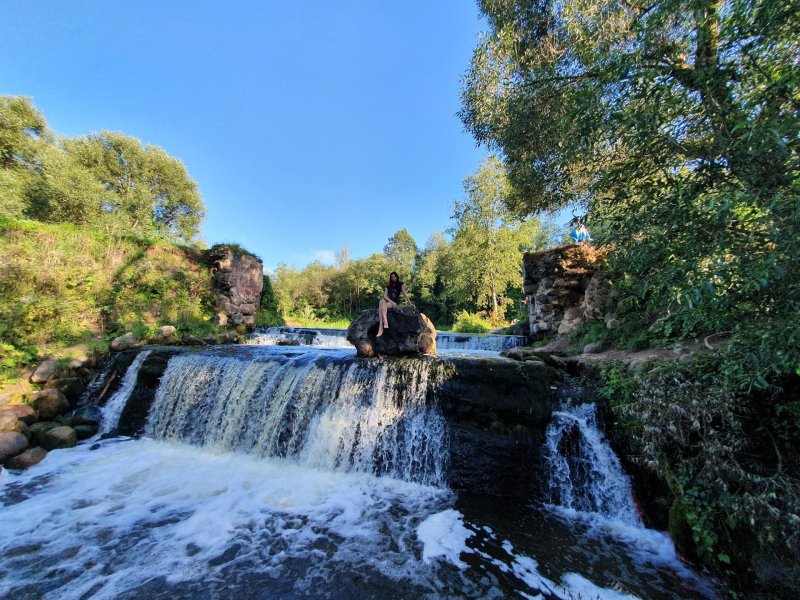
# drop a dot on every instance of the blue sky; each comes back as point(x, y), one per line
point(307, 125)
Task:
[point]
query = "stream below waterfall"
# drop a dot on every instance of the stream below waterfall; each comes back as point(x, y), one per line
point(276, 472)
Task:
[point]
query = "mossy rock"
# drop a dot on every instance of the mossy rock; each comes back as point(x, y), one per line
point(680, 531)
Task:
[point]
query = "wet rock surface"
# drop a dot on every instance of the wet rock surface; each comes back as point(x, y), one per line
point(409, 332)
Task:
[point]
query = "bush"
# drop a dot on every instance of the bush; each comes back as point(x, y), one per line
point(470, 323)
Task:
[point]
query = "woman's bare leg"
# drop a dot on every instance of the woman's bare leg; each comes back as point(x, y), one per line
point(381, 317)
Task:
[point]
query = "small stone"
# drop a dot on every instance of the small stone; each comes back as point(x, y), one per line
point(45, 371)
point(49, 403)
point(10, 423)
point(248, 309)
point(165, 332)
point(11, 444)
point(123, 342)
point(572, 313)
point(221, 319)
point(27, 459)
point(593, 348)
point(62, 436)
point(191, 340)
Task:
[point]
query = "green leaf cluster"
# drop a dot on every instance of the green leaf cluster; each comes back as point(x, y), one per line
point(106, 180)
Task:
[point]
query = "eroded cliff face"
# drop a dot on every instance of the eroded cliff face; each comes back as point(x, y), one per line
point(238, 279)
point(564, 287)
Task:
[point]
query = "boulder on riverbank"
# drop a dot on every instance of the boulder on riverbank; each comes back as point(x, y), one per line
point(409, 332)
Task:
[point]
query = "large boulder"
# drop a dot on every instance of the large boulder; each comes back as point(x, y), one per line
point(47, 369)
point(123, 342)
point(409, 332)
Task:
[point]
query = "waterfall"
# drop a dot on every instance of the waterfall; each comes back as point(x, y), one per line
point(321, 411)
point(272, 336)
point(115, 404)
point(584, 473)
point(492, 343)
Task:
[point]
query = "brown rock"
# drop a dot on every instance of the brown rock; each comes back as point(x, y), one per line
point(248, 309)
point(23, 412)
point(30, 457)
point(10, 423)
point(165, 332)
point(62, 436)
point(49, 403)
point(11, 444)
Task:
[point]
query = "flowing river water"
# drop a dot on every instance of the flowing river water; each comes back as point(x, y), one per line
point(275, 472)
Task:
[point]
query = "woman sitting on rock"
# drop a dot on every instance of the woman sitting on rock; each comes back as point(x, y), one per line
point(390, 297)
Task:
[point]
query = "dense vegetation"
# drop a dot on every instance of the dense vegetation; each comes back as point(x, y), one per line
point(674, 124)
point(474, 272)
point(88, 232)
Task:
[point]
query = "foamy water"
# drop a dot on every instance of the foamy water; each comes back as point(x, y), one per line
point(141, 518)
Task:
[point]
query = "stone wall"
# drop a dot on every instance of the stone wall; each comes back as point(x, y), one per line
point(238, 278)
point(563, 288)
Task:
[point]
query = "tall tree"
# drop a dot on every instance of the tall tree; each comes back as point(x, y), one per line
point(401, 253)
point(152, 189)
point(487, 237)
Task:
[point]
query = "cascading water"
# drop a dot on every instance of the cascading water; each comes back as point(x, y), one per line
point(304, 473)
point(294, 335)
point(492, 343)
point(363, 416)
point(115, 404)
point(584, 473)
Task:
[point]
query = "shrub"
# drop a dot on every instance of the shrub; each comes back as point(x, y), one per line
point(470, 323)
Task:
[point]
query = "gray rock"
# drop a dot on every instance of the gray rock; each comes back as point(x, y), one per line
point(84, 432)
point(191, 340)
point(594, 348)
point(165, 332)
point(62, 436)
point(30, 457)
point(71, 387)
point(37, 431)
point(88, 415)
point(123, 342)
point(45, 371)
point(49, 403)
point(11, 444)
point(409, 332)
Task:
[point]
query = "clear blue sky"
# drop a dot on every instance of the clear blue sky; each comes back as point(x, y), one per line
point(307, 125)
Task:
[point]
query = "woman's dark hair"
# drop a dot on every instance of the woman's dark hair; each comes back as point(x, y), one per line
point(397, 276)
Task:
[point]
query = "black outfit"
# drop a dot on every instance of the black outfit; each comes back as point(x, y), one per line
point(394, 290)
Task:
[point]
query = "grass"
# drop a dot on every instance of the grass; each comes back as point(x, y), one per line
point(62, 285)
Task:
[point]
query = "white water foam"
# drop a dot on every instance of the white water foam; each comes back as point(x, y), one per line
point(116, 404)
point(104, 522)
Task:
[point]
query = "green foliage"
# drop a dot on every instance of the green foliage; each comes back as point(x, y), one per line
point(730, 458)
point(470, 323)
point(61, 285)
point(401, 254)
point(106, 180)
point(268, 313)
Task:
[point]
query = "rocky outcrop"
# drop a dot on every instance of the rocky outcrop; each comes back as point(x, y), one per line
point(409, 332)
point(238, 279)
point(564, 288)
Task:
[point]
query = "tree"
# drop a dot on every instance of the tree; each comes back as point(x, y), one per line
point(487, 238)
point(401, 253)
point(150, 188)
point(22, 127)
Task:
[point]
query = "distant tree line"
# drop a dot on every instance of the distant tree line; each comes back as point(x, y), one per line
point(475, 266)
point(105, 179)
